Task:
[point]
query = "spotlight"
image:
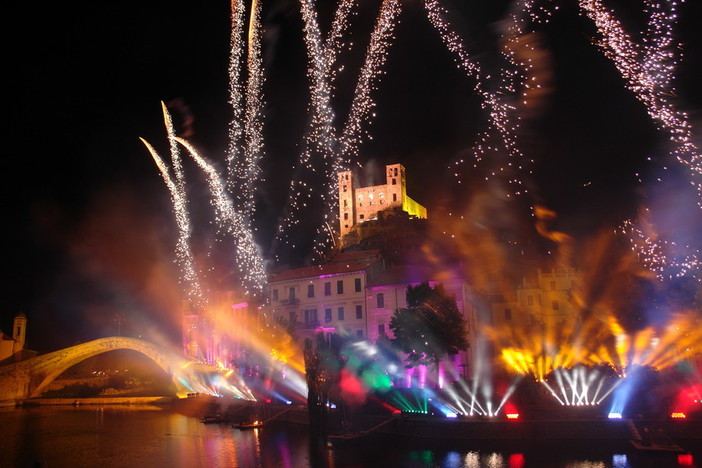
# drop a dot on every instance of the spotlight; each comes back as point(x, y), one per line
point(614, 415)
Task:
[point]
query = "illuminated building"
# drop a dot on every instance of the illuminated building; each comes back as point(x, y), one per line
point(213, 336)
point(360, 204)
point(387, 292)
point(355, 295)
point(328, 298)
point(12, 347)
point(544, 297)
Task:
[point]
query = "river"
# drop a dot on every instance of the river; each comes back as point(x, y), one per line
point(154, 437)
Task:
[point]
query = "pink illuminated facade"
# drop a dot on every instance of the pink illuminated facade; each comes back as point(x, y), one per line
point(213, 336)
point(356, 295)
point(387, 292)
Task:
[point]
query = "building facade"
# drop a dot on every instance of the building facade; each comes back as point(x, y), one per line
point(12, 348)
point(543, 297)
point(356, 295)
point(328, 298)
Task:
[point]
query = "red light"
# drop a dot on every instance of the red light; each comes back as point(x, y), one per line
point(512, 415)
point(685, 459)
point(516, 460)
point(678, 415)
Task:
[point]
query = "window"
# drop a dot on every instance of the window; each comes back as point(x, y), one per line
point(346, 216)
point(395, 170)
point(275, 295)
point(310, 290)
point(291, 294)
point(359, 312)
point(344, 188)
point(357, 284)
point(293, 317)
point(394, 197)
point(555, 305)
point(310, 317)
point(327, 315)
point(380, 301)
point(394, 181)
point(361, 216)
point(340, 314)
point(381, 329)
point(327, 289)
point(340, 287)
point(508, 314)
point(346, 203)
point(530, 300)
point(359, 333)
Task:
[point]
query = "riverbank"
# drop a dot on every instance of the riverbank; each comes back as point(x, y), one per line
point(156, 400)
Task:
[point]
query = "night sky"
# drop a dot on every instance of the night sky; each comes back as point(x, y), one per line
point(89, 232)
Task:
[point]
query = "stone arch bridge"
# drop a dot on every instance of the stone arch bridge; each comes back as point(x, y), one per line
point(28, 379)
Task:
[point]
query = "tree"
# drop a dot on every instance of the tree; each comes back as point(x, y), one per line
point(430, 327)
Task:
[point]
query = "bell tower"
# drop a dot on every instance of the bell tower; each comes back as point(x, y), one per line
point(19, 331)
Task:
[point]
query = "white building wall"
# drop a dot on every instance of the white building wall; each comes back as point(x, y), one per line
point(321, 294)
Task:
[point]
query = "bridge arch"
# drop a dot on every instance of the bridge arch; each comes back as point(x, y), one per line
point(76, 354)
point(28, 379)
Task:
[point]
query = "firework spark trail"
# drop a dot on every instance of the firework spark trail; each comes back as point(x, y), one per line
point(659, 45)
point(381, 39)
point(648, 72)
point(657, 255)
point(320, 135)
point(521, 14)
point(320, 138)
point(340, 25)
point(236, 99)
point(247, 257)
point(253, 125)
point(353, 133)
point(175, 152)
point(322, 72)
point(499, 112)
point(183, 253)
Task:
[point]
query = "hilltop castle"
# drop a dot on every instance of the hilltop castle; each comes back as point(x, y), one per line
point(361, 204)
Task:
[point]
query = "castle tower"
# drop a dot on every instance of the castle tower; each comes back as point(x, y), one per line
point(347, 211)
point(19, 332)
point(396, 185)
point(361, 204)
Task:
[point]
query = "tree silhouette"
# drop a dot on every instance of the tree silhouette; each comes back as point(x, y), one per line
point(430, 327)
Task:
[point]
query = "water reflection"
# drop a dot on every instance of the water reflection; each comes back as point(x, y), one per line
point(127, 437)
